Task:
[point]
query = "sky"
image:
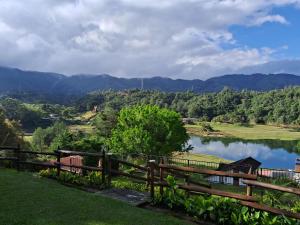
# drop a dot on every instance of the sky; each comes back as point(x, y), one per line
point(188, 39)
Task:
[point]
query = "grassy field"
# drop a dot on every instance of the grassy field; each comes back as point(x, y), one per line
point(86, 116)
point(29, 200)
point(251, 132)
point(83, 128)
point(200, 157)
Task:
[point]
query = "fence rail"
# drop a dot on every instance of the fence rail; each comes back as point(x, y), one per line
point(156, 173)
point(245, 199)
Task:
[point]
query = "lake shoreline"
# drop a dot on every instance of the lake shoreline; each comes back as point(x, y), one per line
point(251, 132)
point(271, 153)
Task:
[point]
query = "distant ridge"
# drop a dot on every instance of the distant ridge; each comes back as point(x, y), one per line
point(16, 80)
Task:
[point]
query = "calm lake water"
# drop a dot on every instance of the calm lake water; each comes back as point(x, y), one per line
point(271, 153)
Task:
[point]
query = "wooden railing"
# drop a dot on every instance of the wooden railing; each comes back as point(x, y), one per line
point(154, 174)
point(246, 199)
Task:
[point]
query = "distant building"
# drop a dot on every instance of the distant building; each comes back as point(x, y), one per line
point(241, 166)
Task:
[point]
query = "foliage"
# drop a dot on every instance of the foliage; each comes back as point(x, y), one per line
point(18, 111)
point(59, 136)
point(206, 127)
point(220, 210)
point(148, 129)
point(128, 184)
point(9, 131)
point(91, 179)
point(49, 138)
point(275, 107)
point(105, 121)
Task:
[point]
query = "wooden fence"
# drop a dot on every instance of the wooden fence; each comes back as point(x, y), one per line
point(154, 174)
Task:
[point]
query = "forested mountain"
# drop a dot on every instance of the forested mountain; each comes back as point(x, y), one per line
point(272, 107)
point(15, 80)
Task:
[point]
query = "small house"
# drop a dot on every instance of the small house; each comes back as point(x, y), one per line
point(247, 165)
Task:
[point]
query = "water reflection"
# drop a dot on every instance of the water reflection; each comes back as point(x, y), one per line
point(271, 153)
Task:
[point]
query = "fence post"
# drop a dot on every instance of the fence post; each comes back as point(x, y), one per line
point(188, 163)
point(151, 164)
point(58, 156)
point(148, 174)
point(249, 187)
point(17, 151)
point(161, 177)
point(109, 169)
point(103, 161)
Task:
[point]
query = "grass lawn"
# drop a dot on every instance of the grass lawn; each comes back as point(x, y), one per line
point(252, 132)
point(200, 157)
point(29, 200)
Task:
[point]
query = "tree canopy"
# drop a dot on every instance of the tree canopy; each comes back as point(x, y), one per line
point(148, 129)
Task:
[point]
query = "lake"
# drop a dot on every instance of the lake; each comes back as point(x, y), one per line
point(271, 153)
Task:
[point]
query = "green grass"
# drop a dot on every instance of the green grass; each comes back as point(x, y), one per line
point(83, 128)
point(86, 116)
point(28, 139)
point(29, 200)
point(200, 157)
point(251, 132)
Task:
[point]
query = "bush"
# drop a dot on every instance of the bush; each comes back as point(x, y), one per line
point(127, 184)
point(219, 210)
point(206, 127)
point(93, 178)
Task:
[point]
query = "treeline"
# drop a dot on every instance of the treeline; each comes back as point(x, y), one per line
point(30, 116)
point(10, 131)
point(273, 107)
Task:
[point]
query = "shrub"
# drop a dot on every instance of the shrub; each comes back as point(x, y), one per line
point(206, 127)
point(219, 210)
point(127, 184)
point(91, 179)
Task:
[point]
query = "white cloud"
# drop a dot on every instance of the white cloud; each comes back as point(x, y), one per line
point(176, 38)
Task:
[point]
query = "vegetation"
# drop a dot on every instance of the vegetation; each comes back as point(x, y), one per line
point(92, 179)
point(148, 129)
point(273, 107)
point(42, 201)
point(10, 131)
point(251, 132)
point(199, 157)
point(105, 121)
point(217, 209)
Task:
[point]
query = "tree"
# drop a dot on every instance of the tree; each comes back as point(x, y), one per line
point(105, 121)
point(38, 140)
point(148, 129)
point(51, 137)
point(10, 131)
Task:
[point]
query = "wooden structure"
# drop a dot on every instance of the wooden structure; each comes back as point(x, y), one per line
point(240, 166)
point(246, 199)
point(154, 174)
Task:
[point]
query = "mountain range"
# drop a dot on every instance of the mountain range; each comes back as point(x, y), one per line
point(15, 80)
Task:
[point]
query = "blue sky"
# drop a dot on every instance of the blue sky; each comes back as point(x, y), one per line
point(142, 38)
point(285, 38)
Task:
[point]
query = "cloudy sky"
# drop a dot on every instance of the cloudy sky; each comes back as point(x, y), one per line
point(134, 38)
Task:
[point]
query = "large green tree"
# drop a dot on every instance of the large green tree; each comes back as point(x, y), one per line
point(148, 129)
